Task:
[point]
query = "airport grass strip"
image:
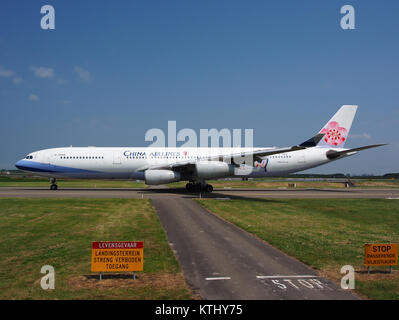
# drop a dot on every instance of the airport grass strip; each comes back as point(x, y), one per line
point(289, 184)
point(69, 183)
point(59, 232)
point(325, 234)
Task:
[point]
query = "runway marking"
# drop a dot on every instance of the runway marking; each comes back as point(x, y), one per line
point(218, 278)
point(285, 277)
point(296, 281)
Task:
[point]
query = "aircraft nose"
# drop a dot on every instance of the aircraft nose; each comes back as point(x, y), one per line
point(21, 164)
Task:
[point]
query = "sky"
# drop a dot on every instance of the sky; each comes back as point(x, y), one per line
point(111, 70)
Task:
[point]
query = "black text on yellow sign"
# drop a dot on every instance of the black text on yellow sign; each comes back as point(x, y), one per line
point(120, 256)
point(381, 254)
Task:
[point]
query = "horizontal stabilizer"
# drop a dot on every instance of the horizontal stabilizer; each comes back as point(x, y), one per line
point(332, 154)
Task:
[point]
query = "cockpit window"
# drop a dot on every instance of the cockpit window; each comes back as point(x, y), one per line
point(29, 157)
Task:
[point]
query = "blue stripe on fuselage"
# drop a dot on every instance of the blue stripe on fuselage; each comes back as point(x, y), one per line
point(48, 168)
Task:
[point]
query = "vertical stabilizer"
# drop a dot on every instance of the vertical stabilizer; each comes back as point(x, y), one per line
point(336, 130)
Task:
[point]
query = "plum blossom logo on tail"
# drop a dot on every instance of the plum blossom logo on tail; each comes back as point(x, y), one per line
point(334, 134)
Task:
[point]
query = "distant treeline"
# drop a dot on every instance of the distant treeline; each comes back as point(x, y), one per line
point(341, 175)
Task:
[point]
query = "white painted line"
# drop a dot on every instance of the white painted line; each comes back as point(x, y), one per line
point(285, 277)
point(217, 278)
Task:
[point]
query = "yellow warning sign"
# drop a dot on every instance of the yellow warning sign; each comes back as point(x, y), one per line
point(119, 256)
point(381, 254)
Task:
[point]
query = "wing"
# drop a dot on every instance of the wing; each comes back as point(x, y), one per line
point(235, 158)
point(256, 154)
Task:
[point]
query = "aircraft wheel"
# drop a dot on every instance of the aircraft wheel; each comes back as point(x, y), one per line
point(190, 187)
point(208, 188)
point(53, 187)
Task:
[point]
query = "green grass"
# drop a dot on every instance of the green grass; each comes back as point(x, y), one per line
point(59, 232)
point(283, 183)
point(326, 234)
point(69, 183)
point(33, 181)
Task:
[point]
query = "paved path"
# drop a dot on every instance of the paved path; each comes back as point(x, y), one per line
point(221, 261)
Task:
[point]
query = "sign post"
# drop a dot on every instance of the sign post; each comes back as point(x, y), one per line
point(117, 256)
point(381, 254)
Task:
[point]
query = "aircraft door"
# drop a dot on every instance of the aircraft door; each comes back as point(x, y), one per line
point(117, 158)
point(302, 159)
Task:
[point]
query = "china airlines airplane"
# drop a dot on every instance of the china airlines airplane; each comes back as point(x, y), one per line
point(196, 165)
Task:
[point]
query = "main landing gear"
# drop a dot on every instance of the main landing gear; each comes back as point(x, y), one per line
point(53, 185)
point(198, 187)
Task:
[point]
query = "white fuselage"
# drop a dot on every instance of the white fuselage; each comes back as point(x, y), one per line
point(196, 165)
point(131, 163)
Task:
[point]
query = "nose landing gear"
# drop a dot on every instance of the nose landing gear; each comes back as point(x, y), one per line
point(53, 185)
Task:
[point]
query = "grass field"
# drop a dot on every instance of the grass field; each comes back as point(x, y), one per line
point(282, 183)
point(59, 232)
point(69, 183)
point(326, 234)
point(32, 181)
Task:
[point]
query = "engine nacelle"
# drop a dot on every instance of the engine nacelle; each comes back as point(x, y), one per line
point(213, 169)
point(161, 176)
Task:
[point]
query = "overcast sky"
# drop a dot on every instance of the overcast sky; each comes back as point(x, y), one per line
point(111, 70)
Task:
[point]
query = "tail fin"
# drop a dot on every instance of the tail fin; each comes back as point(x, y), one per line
point(336, 130)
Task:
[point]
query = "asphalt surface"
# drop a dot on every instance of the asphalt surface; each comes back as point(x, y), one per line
point(219, 260)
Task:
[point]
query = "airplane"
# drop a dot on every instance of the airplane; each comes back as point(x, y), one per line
point(158, 166)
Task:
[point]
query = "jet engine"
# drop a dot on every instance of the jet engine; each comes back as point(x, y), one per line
point(161, 176)
point(213, 169)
